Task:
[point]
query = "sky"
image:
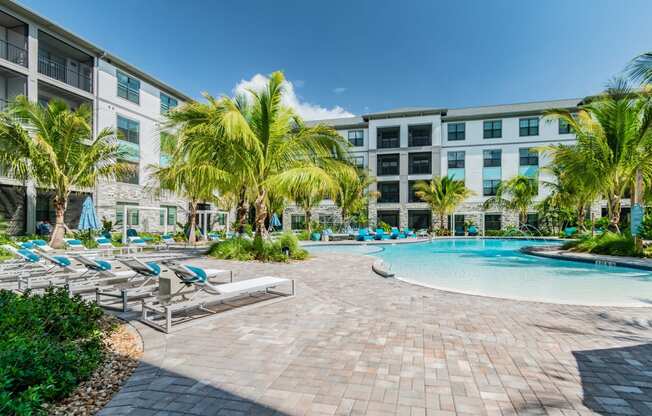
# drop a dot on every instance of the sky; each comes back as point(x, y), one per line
point(344, 58)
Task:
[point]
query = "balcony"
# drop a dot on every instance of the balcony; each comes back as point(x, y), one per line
point(388, 138)
point(12, 85)
point(60, 61)
point(13, 40)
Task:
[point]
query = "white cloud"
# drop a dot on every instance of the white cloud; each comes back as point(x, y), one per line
point(308, 111)
point(340, 90)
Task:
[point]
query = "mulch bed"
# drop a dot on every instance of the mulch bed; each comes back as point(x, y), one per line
point(124, 348)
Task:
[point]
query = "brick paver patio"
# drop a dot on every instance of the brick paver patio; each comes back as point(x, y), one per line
point(353, 343)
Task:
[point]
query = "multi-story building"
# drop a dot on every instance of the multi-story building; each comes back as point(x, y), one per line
point(479, 145)
point(44, 61)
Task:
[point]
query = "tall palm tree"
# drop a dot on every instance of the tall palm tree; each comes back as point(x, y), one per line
point(569, 192)
point(443, 194)
point(269, 147)
point(353, 193)
point(308, 194)
point(54, 146)
point(613, 150)
point(194, 180)
point(640, 68)
point(516, 194)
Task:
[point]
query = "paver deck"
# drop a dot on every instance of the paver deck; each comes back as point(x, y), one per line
point(352, 343)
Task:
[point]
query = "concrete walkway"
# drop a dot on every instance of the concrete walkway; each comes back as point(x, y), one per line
point(352, 343)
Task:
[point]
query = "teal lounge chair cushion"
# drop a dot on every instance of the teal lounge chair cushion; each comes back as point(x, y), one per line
point(138, 241)
point(28, 245)
point(103, 264)
point(62, 261)
point(30, 256)
point(103, 240)
point(200, 273)
point(40, 243)
point(156, 269)
point(74, 242)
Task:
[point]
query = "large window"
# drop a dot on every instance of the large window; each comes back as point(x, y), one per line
point(419, 163)
point(132, 176)
point(358, 161)
point(564, 127)
point(532, 221)
point(390, 218)
point(492, 129)
point(412, 194)
point(297, 221)
point(356, 137)
point(419, 135)
point(456, 131)
point(128, 130)
point(388, 164)
point(128, 87)
point(491, 158)
point(492, 222)
point(388, 137)
point(167, 103)
point(419, 219)
point(490, 187)
point(389, 192)
point(171, 216)
point(455, 160)
point(528, 126)
point(132, 214)
point(528, 157)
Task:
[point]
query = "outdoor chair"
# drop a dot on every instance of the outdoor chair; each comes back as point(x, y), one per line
point(145, 271)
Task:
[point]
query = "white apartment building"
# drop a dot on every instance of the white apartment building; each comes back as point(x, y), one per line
point(43, 61)
point(480, 145)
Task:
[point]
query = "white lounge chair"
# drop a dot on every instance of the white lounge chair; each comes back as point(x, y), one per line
point(215, 294)
point(74, 244)
point(146, 271)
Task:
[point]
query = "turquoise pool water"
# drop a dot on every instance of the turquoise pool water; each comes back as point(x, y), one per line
point(497, 268)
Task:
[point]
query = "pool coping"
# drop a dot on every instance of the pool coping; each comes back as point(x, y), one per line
point(600, 259)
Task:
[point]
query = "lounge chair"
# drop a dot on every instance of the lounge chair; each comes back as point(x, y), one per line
point(409, 232)
point(215, 294)
point(61, 271)
point(472, 231)
point(146, 271)
point(213, 236)
point(74, 244)
point(40, 245)
point(24, 261)
point(569, 231)
point(381, 235)
point(195, 274)
point(363, 235)
point(395, 234)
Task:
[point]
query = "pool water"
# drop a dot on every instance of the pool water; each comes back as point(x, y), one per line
point(495, 267)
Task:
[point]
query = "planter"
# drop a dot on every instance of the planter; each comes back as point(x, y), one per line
point(315, 236)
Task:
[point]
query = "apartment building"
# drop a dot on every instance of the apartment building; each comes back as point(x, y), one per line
point(44, 61)
point(479, 145)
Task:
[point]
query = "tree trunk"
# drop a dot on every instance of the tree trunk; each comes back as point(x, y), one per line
point(614, 212)
point(308, 220)
point(192, 238)
point(581, 213)
point(441, 224)
point(522, 219)
point(59, 232)
point(242, 210)
point(261, 213)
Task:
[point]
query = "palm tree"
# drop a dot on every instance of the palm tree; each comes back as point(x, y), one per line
point(353, 193)
point(516, 194)
point(54, 146)
point(640, 68)
point(613, 150)
point(194, 180)
point(269, 148)
point(308, 194)
point(569, 192)
point(443, 194)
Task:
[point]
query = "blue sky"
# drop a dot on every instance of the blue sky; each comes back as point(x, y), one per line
point(364, 56)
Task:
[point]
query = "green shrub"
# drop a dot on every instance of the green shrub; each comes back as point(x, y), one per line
point(607, 243)
point(304, 235)
point(259, 249)
point(48, 344)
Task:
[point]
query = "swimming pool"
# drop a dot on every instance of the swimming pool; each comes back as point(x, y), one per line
point(496, 267)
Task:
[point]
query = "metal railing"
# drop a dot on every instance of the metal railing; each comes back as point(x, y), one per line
point(64, 73)
point(13, 53)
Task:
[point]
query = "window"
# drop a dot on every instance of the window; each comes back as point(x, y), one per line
point(388, 137)
point(528, 157)
point(356, 137)
point(326, 220)
point(491, 158)
point(412, 194)
point(132, 214)
point(171, 215)
point(456, 131)
point(129, 177)
point(419, 135)
point(532, 221)
point(492, 222)
point(419, 163)
point(390, 218)
point(490, 186)
point(388, 164)
point(128, 87)
point(128, 130)
point(167, 103)
point(358, 161)
point(493, 129)
point(389, 191)
point(564, 127)
point(528, 126)
point(455, 160)
point(419, 219)
point(297, 221)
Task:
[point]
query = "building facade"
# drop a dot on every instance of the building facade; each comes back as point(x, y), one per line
point(479, 145)
point(44, 61)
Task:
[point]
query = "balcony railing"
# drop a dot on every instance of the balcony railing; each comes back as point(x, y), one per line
point(13, 53)
point(64, 73)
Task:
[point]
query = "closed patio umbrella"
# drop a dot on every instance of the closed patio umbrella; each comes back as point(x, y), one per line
point(275, 222)
point(88, 218)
